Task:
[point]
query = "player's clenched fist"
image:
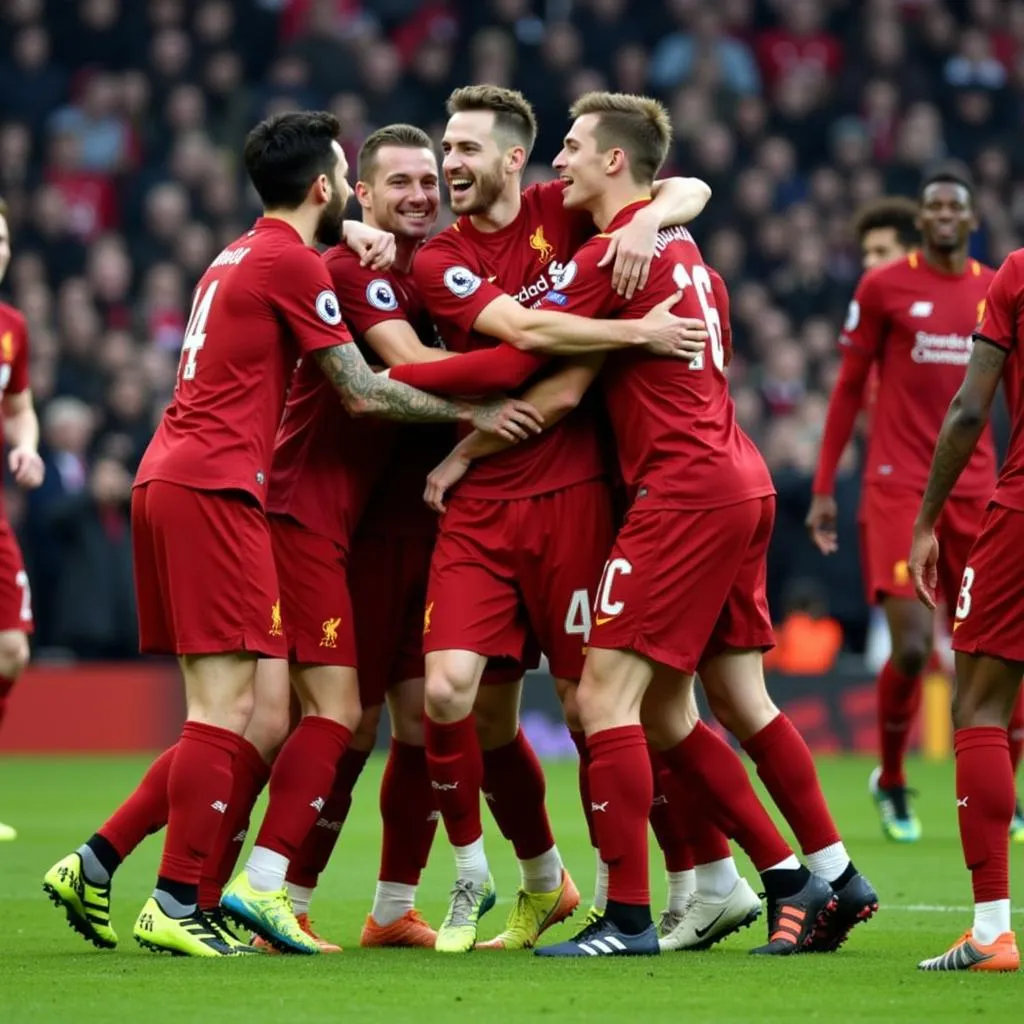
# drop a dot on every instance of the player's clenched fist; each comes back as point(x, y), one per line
point(821, 523)
point(508, 418)
point(374, 247)
point(666, 334)
point(26, 467)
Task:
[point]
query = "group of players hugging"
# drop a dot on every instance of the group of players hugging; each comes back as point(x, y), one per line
point(613, 518)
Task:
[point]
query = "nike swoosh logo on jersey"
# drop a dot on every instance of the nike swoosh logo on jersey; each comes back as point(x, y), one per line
point(599, 621)
point(701, 932)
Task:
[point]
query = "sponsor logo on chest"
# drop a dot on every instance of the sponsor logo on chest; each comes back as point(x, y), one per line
point(933, 349)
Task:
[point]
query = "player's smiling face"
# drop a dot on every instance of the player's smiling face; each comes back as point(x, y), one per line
point(405, 194)
point(475, 165)
point(580, 164)
point(947, 217)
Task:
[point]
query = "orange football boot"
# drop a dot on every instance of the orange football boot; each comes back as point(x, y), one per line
point(967, 954)
point(409, 931)
point(307, 926)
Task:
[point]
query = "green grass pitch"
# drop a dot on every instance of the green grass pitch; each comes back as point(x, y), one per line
point(47, 973)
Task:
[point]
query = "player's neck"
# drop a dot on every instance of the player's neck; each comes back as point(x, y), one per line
point(610, 203)
point(405, 248)
point(304, 221)
point(501, 213)
point(952, 263)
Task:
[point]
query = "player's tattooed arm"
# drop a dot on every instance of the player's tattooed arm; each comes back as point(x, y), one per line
point(963, 426)
point(366, 393)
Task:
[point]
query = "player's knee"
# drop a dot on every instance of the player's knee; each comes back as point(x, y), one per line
point(911, 655)
point(744, 714)
point(570, 706)
point(447, 698)
point(602, 706)
point(269, 726)
point(14, 653)
point(365, 735)
point(495, 727)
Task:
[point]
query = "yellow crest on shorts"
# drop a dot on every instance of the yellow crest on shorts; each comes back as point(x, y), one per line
point(901, 574)
point(275, 618)
point(427, 612)
point(330, 628)
point(544, 249)
point(7, 346)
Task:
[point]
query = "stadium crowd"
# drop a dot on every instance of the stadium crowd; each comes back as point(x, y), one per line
point(121, 124)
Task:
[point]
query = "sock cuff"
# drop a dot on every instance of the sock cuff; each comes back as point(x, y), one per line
point(443, 738)
point(249, 758)
point(977, 736)
point(318, 723)
point(758, 744)
point(513, 749)
point(399, 750)
point(619, 737)
point(212, 735)
point(890, 670)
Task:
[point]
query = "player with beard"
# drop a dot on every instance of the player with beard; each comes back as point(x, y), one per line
point(206, 583)
point(912, 319)
point(520, 547)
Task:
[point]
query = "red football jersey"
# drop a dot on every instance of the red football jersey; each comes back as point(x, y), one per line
point(461, 271)
point(916, 323)
point(674, 421)
point(13, 362)
point(263, 302)
point(1002, 324)
point(326, 463)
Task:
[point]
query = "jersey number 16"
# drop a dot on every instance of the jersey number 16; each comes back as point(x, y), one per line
point(699, 279)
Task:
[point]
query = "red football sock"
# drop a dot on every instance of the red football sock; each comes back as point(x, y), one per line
point(985, 798)
point(1015, 730)
point(785, 766)
point(621, 789)
point(705, 759)
point(667, 823)
point(456, 772)
point(702, 840)
point(514, 789)
point(144, 812)
point(307, 865)
point(899, 698)
point(249, 775)
point(6, 685)
point(198, 793)
point(300, 783)
point(580, 741)
point(409, 814)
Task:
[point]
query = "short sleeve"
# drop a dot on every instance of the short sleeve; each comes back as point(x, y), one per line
point(19, 363)
point(865, 326)
point(998, 319)
point(449, 288)
point(300, 290)
point(368, 297)
point(583, 287)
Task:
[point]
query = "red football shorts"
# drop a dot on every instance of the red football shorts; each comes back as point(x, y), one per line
point(15, 593)
point(682, 586)
point(205, 581)
point(388, 579)
point(315, 603)
point(886, 527)
point(504, 571)
point(989, 617)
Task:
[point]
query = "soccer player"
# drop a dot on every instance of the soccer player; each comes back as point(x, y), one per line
point(886, 230)
point(912, 319)
point(21, 430)
point(520, 549)
point(686, 540)
point(206, 582)
point(987, 635)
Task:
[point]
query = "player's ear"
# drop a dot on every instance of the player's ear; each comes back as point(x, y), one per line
point(615, 160)
point(362, 191)
point(320, 190)
point(515, 159)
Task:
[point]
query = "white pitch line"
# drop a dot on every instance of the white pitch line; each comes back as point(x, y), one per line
point(929, 908)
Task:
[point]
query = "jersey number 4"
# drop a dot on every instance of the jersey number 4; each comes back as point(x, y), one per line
point(195, 332)
point(699, 279)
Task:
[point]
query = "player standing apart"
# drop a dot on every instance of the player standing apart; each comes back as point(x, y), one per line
point(912, 319)
point(21, 430)
point(206, 583)
point(987, 635)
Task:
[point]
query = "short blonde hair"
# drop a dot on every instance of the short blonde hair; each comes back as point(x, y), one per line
point(513, 113)
point(638, 125)
point(404, 136)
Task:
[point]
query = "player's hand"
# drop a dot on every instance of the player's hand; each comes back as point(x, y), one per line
point(375, 248)
point(821, 523)
point(924, 565)
point(632, 249)
point(511, 419)
point(26, 467)
point(443, 478)
point(665, 334)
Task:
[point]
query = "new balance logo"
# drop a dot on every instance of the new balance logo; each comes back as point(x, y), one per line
point(318, 804)
point(962, 803)
point(331, 826)
point(240, 837)
point(444, 787)
point(659, 799)
point(921, 309)
point(599, 807)
point(434, 816)
point(219, 806)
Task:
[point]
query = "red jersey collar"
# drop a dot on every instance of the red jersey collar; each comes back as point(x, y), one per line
point(275, 224)
point(626, 214)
